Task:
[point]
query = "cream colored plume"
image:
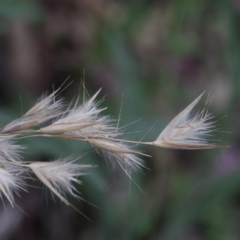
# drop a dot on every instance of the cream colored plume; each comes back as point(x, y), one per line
point(47, 108)
point(8, 150)
point(187, 130)
point(59, 176)
point(80, 116)
point(119, 154)
point(11, 181)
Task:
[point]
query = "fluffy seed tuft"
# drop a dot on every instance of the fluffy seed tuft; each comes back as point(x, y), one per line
point(59, 176)
point(47, 108)
point(188, 131)
point(119, 154)
point(11, 181)
point(80, 116)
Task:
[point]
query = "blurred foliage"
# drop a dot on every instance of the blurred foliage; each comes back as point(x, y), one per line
point(162, 55)
point(26, 10)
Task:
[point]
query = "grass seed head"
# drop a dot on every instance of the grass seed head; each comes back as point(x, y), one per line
point(119, 154)
point(59, 176)
point(11, 181)
point(187, 130)
point(76, 117)
point(46, 109)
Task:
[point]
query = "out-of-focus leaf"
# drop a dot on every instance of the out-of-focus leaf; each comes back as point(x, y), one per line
point(14, 9)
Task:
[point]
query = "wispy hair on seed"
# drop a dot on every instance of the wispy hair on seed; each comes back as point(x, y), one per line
point(188, 130)
point(59, 176)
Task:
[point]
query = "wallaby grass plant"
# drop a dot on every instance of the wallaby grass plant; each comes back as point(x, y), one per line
point(84, 120)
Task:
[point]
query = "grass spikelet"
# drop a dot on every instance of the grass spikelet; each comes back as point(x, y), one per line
point(101, 129)
point(187, 130)
point(59, 176)
point(47, 108)
point(119, 154)
point(80, 116)
point(8, 150)
point(11, 181)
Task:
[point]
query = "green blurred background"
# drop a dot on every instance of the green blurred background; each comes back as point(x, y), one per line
point(162, 55)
